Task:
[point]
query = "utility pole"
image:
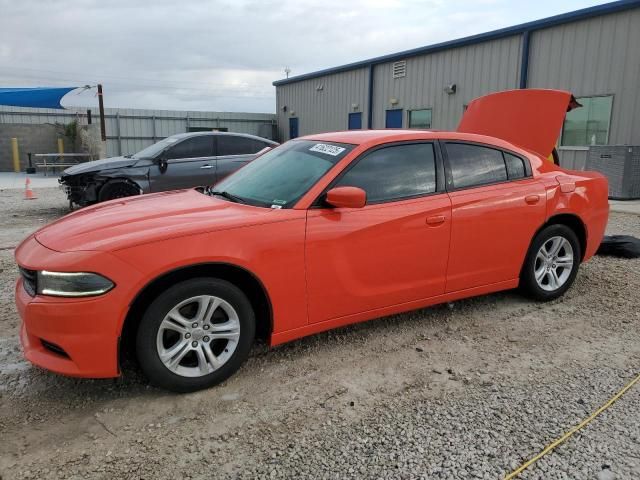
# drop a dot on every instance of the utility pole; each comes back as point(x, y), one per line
point(103, 133)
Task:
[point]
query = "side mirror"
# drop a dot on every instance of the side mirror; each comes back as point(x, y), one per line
point(162, 162)
point(346, 197)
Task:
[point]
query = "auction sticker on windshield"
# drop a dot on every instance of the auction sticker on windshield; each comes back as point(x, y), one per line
point(327, 149)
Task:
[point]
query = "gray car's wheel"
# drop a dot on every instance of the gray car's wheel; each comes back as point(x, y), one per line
point(195, 334)
point(118, 188)
point(552, 263)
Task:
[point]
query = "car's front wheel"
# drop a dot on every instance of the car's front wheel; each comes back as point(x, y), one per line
point(195, 334)
point(552, 263)
point(118, 188)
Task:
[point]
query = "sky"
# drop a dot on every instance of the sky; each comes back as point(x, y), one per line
point(224, 55)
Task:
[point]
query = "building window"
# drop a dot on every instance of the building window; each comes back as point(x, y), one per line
point(589, 124)
point(420, 118)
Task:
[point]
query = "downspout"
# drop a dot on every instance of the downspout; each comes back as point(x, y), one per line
point(370, 104)
point(524, 60)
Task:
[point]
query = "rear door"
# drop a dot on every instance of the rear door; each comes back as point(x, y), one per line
point(392, 251)
point(497, 206)
point(189, 163)
point(235, 151)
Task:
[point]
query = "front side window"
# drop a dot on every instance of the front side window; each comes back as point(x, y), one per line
point(420, 118)
point(152, 150)
point(282, 175)
point(589, 124)
point(195, 147)
point(472, 165)
point(393, 173)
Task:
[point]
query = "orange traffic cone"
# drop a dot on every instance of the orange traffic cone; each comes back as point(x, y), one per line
point(28, 193)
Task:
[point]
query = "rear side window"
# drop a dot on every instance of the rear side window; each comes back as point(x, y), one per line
point(515, 166)
point(236, 145)
point(395, 172)
point(198, 146)
point(472, 165)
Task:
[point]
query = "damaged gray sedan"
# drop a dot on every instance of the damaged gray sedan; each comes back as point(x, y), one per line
point(180, 161)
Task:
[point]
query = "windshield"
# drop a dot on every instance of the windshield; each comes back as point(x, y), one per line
point(152, 150)
point(281, 176)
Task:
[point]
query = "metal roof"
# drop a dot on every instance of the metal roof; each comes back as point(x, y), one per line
point(563, 18)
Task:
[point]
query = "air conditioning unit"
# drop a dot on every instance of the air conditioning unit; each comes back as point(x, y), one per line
point(621, 165)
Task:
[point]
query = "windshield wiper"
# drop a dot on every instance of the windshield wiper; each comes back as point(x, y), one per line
point(227, 195)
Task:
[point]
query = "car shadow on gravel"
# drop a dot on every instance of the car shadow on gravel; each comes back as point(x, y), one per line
point(46, 389)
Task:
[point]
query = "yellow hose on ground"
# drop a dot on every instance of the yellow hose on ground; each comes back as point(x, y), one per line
point(564, 437)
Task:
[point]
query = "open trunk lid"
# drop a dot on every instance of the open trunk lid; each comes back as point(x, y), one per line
point(529, 118)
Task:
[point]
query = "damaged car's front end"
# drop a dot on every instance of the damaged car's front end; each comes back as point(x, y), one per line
point(92, 182)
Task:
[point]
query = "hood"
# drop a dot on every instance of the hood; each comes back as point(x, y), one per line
point(133, 221)
point(98, 165)
point(529, 118)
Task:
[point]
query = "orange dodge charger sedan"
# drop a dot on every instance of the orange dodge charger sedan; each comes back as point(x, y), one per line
point(318, 233)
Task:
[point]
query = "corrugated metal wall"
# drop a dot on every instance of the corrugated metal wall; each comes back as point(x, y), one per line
point(130, 130)
point(322, 109)
point(476, 70)
point(598, 56)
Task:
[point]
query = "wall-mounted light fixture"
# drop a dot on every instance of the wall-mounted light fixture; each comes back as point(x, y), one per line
point(292, 113)
point(393, 101)
point(451, 88)
point(284, 108)
point(355, 106)
point(320, 87)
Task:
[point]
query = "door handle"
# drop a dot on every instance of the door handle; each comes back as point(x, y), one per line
point(435, 220)
point(532, 199)
point(207, 166)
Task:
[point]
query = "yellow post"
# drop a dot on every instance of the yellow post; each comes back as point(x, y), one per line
point(60, 146)
point(16, 155)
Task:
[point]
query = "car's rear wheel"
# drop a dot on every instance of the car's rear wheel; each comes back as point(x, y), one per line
point(118, 188)
point(552, 263)
point(195, 334)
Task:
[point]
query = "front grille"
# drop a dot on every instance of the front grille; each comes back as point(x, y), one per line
point(29, 280)
point(53, 348)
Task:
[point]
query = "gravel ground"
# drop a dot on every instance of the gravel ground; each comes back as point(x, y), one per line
point(467, 390)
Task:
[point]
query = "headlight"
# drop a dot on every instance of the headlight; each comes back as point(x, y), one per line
point(72, 284)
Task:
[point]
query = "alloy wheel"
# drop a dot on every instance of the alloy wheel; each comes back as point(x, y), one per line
point(554, 263)
point(198, 336)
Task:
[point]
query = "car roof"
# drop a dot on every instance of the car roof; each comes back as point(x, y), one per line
point(376, 137)
point(371, 138)
point(232, 134)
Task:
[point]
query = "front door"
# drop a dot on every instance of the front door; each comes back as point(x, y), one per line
point(187, 164)
point(497, 207)
point(393, 250)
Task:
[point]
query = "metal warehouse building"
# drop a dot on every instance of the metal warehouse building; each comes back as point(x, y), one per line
point(593, 52)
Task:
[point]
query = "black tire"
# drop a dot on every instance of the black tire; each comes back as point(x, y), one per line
point(528, 283)
point(147, 349)
point(118, 188)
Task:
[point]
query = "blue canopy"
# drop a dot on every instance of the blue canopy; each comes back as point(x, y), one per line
point(38, 97)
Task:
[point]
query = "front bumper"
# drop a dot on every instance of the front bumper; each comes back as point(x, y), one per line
point(74, 339)
point(72, 336)
point(81, 190)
